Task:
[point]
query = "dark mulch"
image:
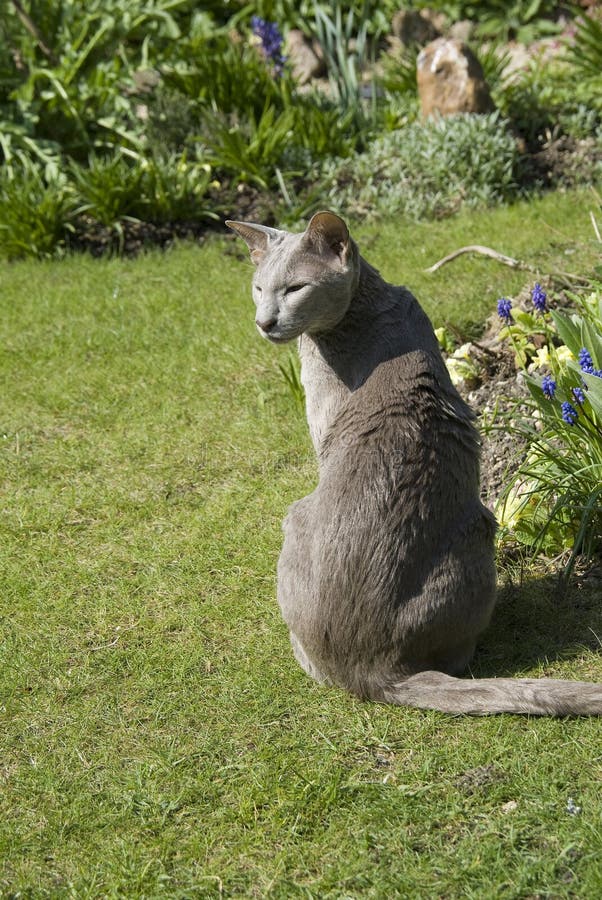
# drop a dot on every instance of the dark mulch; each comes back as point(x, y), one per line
point(132, 236)
point(495, 401)
point(244, 203)
point(566, 161)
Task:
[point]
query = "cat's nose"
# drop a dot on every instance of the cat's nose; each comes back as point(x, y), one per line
point(266, 325)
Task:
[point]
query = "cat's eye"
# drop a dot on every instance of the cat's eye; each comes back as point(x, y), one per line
point(258, 288)
point(293, 288)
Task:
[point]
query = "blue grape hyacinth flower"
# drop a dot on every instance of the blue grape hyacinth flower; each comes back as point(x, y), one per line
point(503, 309)
point(587, 364)
point(579, 395)
point(539, 297)
point(271, 42)
point(569, 413)
point(548, 386)
point(585, 361)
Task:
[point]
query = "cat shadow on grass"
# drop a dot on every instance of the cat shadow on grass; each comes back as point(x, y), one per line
point(536, 623)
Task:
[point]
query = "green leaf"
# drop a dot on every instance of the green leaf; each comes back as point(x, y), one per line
point(534, 386)
point(569, 331)
point(82, 56)
point(594, 392)
point(524, 318)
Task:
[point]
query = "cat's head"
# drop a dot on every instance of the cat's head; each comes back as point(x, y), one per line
point(304, 282)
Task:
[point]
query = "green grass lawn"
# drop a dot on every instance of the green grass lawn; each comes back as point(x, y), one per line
point(157, 738)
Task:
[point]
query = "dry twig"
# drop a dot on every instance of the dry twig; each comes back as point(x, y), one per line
point(484, 251)
point(567, 279)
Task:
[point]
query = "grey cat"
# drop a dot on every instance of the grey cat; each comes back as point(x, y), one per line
point(386, 576)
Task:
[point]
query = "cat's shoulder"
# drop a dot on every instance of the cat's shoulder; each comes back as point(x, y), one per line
point(417, 380)
point(413, 367)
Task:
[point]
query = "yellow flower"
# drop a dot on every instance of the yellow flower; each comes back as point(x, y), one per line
point(462, 352)
point(563, 353)
point(541, 359)
point(461, 368)
point(510, 510)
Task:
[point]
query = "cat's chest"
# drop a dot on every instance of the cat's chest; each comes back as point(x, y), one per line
point(325, 392)
point(321, 411)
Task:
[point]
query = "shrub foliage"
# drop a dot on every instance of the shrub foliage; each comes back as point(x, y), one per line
point(161, 109)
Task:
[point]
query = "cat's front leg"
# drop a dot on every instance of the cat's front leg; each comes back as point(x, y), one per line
point(298, 517)
point(305, 662)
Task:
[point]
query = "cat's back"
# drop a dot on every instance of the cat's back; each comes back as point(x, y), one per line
point(401, 447)
point(403, 403)
point(398, 495)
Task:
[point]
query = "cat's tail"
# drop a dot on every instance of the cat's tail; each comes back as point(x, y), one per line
point(486, 696)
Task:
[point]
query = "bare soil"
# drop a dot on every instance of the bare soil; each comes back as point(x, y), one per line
point(494, 401)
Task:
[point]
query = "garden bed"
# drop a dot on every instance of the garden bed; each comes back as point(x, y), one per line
point(535, 383)
point(178, 120)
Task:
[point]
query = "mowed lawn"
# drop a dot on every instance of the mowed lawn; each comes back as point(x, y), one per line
point(157, 738)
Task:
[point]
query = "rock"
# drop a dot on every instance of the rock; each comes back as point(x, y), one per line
point(519, 57)
point(451, 80)
point(411, 27)
point(436, 18)
point(146, 80)
point(461, 31)
point(306, 57)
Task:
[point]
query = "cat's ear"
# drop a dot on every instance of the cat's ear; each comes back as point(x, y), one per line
point(327, 231)
point(256, 237)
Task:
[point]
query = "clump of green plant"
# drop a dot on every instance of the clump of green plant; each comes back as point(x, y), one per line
point(429, 169)
point(585, 54)
point(175, 188)
point(549, 99)
point(109, 187)
point(36, 213)
point(522, 20)
point(554, 501)
point(335, 36)
point(250, 151)
point(160, 189)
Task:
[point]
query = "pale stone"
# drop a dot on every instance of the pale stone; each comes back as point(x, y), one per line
point(450, 80)
point(305, 56)
point(438, 19)
point(461, 31)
